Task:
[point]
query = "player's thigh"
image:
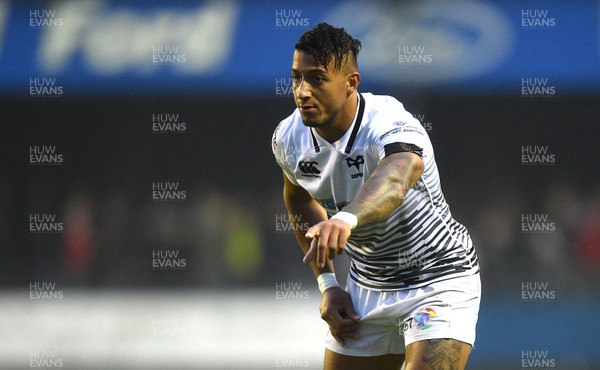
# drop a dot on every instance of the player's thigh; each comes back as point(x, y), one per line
point(438, 354)
point(336, 361)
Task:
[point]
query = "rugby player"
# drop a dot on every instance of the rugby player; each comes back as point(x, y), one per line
point(360, 170)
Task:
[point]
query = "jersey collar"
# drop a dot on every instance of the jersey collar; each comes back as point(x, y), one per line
point(354, 127)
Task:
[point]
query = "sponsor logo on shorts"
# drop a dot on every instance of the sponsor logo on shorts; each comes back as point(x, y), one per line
point(420, 320)
point(423, 317)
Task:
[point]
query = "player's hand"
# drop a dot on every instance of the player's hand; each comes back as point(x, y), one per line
point(338, 312)
point(328, 238)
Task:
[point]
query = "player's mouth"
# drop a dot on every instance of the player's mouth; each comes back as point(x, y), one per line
point(307, 108)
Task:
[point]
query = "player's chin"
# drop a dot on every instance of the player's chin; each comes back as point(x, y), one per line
point(312, 122)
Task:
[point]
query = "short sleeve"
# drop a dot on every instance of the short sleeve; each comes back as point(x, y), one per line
point(399, 132)
point(277, 146)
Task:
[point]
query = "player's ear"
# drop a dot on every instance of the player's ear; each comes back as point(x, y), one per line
point(352, 82)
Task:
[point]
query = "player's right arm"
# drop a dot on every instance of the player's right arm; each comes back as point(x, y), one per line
point(303, 211)
point(336, 307)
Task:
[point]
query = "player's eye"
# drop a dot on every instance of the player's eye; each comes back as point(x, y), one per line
point(296, 79)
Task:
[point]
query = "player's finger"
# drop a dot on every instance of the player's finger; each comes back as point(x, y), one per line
point(324, 246)
point(311, 254)
point(312, 232)
point(350, 312)
point(332, 254)
point(329, 248)
point(348, 328)
point(333, 242)
point(341, 241)
point(338, 338)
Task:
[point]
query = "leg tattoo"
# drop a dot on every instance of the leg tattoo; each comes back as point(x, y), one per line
point(442, 354)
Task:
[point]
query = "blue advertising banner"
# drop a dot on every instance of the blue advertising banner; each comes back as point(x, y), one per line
point(240, 47)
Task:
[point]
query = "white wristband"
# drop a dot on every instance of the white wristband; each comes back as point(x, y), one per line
point(347, 217)
point(326, 280)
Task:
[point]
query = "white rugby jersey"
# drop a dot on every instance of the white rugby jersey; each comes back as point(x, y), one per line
point(419, 243)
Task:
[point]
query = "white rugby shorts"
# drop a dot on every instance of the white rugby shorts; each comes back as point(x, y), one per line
point(393, 320)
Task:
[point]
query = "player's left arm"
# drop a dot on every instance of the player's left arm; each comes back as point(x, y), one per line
point(381, 194)
point(386, 188)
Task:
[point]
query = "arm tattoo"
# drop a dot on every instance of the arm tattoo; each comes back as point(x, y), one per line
point(442, 354)
point(383, 192)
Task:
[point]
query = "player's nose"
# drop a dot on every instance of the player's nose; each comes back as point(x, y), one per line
point(302, 91)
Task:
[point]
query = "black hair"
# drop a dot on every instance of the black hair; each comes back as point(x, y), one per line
point(325, 42)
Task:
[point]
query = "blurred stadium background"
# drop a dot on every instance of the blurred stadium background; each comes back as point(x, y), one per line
point(141, 212)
